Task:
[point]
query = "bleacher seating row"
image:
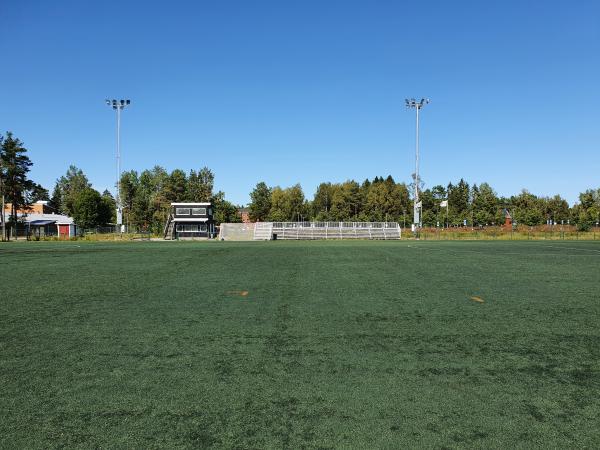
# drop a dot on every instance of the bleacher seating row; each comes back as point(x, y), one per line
point(327, 230)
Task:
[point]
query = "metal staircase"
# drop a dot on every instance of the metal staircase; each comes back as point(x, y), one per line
point(169, 228)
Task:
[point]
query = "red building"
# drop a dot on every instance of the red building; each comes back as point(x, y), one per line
point(244, 213)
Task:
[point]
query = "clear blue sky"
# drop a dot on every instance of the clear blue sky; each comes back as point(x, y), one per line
point(307, 91)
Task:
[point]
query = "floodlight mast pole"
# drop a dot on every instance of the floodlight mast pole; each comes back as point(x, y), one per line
point(417, 219)
point(412, 103)
point(118, 106)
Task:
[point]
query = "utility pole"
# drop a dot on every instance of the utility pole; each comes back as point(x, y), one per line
point(412, 103)
point(118, 106)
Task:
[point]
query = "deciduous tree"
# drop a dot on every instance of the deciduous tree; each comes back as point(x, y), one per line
point(200, 185)
point(88, 209)
point(68, 188)
point(260, 202)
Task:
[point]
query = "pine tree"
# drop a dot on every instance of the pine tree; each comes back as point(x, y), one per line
point(15, 167)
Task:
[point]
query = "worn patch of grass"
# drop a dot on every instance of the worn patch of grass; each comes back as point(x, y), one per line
point(335, 344)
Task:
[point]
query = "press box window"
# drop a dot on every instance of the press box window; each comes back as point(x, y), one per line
point(186, 228)
point(198, 211)
point(182, 211)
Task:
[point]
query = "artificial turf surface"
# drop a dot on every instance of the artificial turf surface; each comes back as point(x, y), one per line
point(335, 344)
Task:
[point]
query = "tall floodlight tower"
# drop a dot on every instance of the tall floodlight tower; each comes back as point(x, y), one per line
point(118, 106)
point(412, 103)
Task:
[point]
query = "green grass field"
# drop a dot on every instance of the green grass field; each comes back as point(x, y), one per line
point(336, 344)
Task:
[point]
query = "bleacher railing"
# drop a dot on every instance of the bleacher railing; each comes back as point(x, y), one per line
point(327, 230)
point(333, 224)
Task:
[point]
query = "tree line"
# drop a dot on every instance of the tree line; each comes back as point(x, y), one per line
point(383, 199)
point(146, 198)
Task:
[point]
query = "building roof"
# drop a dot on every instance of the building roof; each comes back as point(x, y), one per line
point(185, 219)
point(38, 223)
point(190, 204)
point(49, 218)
